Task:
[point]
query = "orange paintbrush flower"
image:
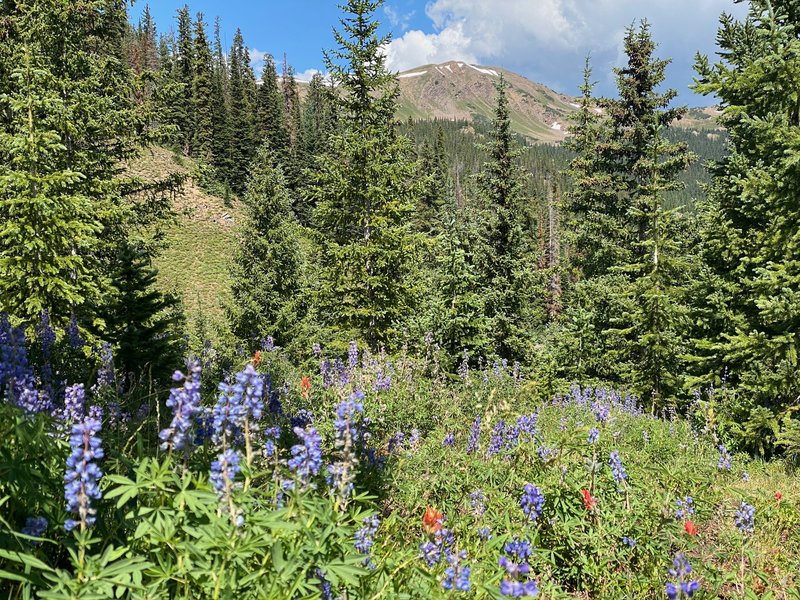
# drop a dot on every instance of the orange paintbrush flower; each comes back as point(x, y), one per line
point(778, 496)
point(588, 502)
point(432, 520)
point(305, 387)
point(690, 528)
point(257, 358)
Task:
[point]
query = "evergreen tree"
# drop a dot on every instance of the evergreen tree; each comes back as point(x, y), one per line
point(202, 93)
point(459, 317)
point(48, 232)
point(141, 322)
point(270, 118)
point(184, 75)
point(316, 127)
point(433, 166)
point(242, 114)
point(509, 261)
point(646, 165)
point(750, 323)
point(365, 191)
point(266, 280)
point(220, 108)
point(596, 213)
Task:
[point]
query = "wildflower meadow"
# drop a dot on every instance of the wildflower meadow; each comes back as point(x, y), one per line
point(363, 476)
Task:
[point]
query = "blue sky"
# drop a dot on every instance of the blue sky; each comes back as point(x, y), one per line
point(545, 40)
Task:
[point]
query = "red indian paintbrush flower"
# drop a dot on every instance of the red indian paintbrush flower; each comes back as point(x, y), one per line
point(432, 520)
point(588, 502)
point(257, 358)
point(305, 387)
point(690, 528)
point(778, 496)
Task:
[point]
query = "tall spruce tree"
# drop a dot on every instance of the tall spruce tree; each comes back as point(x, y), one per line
point(365, 191)
point(509, 261)
point(202, 94)
point(750, 323)
point(49, 234)
point(270, 117)
point(266, 270)
point(242, 114)
point(646, 165)
point(184, 75)
point(220, 109)
point(316, 126)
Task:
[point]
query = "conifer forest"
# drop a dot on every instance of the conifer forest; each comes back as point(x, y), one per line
point(263, 338)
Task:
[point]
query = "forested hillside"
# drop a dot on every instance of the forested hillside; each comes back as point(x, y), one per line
point(261, 343)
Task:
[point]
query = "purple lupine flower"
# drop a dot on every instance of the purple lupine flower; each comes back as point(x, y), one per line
point(271, 435)
point(302, 418)
point(532, 501)
point(517, 589)
point(352, 355)
point(724, 462)
point(249, 384)
point(413, 438)
point(82, 475)
point(617, 469)
point(449, 439)
point(745, 476)
point(527, 424)
point(515, 564)
point(364, 538)
point(473, 443)
point(397, 441)
point(268, 344)
point(546, 454)
point(185, 404)
point(306, 459)
point(105, 374)
point(463, 367)
point(511, 439)
point(477, 502)
point(34, 527)
point(629, 541)
point(594, 434)
point(73, 333)
point(316, 349)
point(683, 586)
point(342, 472)
point(29, 399)
point(485, 533)
point(383, 381)
point(684, 508)
point(456, 575)
point(745, 518)
point(74, 403)
point(601, 411)
point(431, 553)
point(229, 413)
point(496, 441)
point(224, 471)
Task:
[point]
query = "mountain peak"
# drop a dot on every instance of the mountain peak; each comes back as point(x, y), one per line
point(460, 90)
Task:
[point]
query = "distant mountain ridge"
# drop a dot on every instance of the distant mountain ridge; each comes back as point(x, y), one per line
point(460, 90)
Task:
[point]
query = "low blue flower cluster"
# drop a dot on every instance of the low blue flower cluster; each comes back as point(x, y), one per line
point(724, 462)
point(81, 480)
point(457, 574)
point(745, 518)
point(306, 457)
point(617, 468)
point(515, 562)
point(682, 585)
point(532, 501)
point(365, 538)
point(684, 508)
point(185, 404)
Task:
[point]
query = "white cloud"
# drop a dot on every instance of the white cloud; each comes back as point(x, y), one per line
point(397, 19)
point(416, 48)
point(257, 56)
point(548, 39)
point(307, 75)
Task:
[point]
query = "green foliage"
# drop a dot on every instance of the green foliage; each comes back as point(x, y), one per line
point(202, 82)
point(266, 268)
point(509, 262)
point(749, 232)
point(365, 194)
